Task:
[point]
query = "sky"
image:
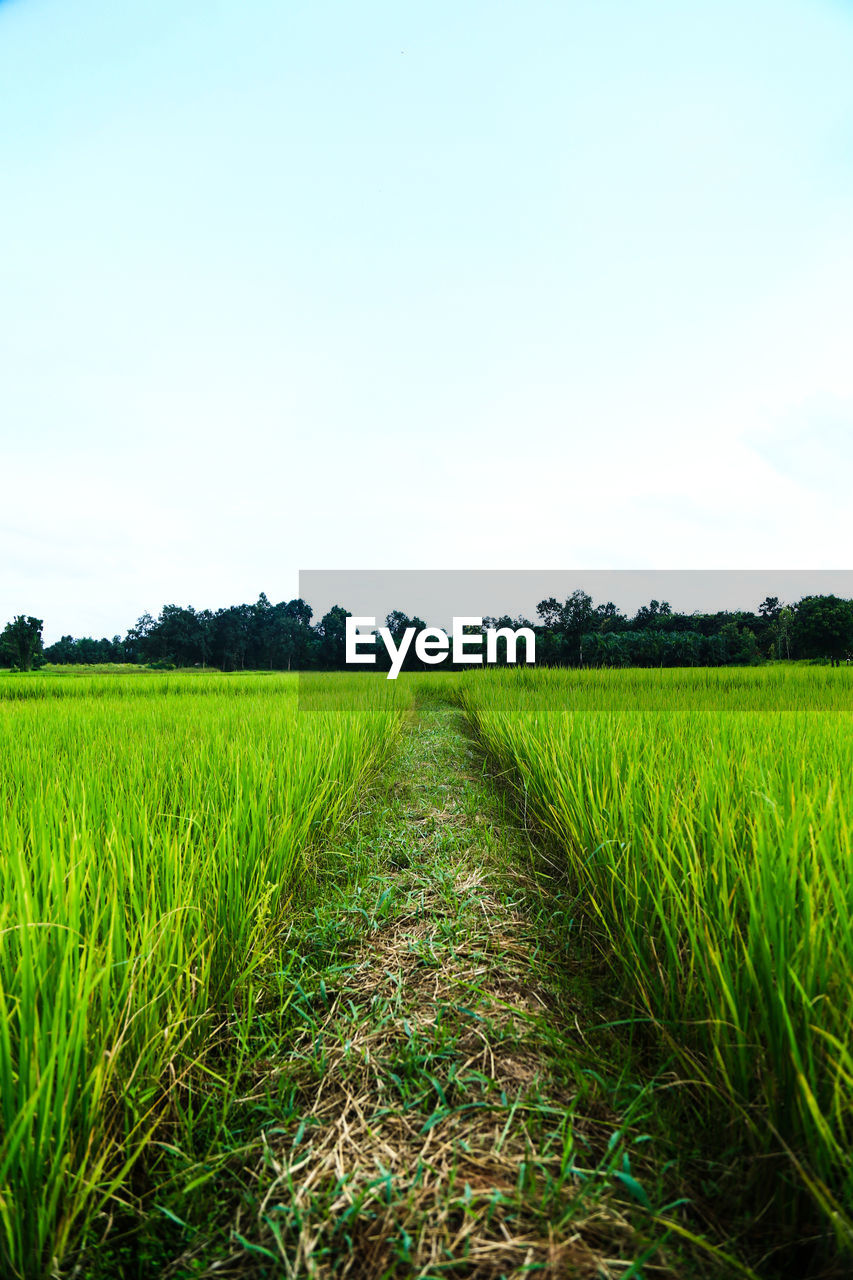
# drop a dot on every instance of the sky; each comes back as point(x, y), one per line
point(291, 285)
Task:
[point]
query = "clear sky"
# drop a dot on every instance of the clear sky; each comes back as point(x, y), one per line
point(296, 284)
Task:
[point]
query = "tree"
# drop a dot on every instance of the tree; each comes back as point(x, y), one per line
point(738, 646)
point(177, 636)
point(608, 617)
point(784, 626)
point(232, 636)
point(61, 651)
point(21, 643)
point(332, 632)
point(138, 642)
point(264, 628)
point(570, 621)
point(823, 627)
point(298, 610)
point(301, 637)
point(653, 615)
point(284, 634)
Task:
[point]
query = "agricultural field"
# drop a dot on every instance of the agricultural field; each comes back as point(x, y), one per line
point(153, 831)
point(450, 976)
point(705, 825)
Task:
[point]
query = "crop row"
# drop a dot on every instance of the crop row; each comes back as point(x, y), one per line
point(148, 850)
point(704, 822)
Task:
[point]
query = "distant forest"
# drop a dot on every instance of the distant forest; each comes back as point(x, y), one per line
point(574, 632)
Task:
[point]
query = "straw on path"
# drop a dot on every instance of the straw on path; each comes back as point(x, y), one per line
point(434, 1133)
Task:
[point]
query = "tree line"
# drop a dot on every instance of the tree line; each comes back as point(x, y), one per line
point(572, 632)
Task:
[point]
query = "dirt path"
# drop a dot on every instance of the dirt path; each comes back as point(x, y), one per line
point(437, 1113)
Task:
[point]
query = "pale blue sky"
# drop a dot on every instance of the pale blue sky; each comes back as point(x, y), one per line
point(342, 285)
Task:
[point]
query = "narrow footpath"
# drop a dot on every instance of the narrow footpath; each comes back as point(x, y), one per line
point(437, 1111)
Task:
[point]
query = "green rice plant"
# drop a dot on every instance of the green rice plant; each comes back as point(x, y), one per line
point(150, 840)
point(705, 822)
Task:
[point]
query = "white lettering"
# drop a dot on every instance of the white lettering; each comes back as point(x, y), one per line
point(431, 645)
point(353, 640)
point(460, 639)
point(512, 638)
point(397, 654)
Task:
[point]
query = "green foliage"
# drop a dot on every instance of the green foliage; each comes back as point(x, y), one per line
point(704, 821)
point(152, 840)
point(332, 633)
point(21, 643)
point(281, 637)
point(823, 627)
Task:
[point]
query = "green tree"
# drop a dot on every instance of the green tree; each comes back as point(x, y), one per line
point(738, 645)
point(569, 622)
point(332, 632)
point(21, 643)
point(177, 636)
point(608, 617)
point(233, 635)
point(140, 640)
point(784, 625)
point(823, 627)
point(653, 615)
point(299, 639)
point(61, 651)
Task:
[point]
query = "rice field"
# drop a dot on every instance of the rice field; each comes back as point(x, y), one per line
point(152, 832)
point(703, 820)
point(158, 830)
